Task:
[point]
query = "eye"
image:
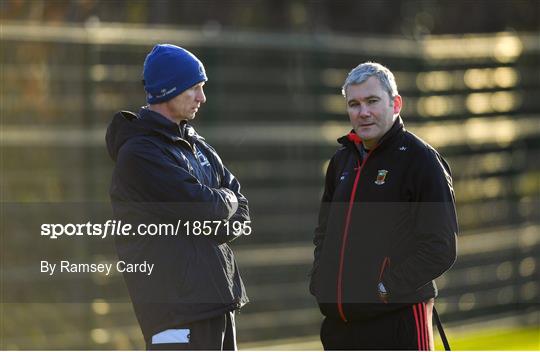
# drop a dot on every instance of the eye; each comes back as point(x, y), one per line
point(372, 101)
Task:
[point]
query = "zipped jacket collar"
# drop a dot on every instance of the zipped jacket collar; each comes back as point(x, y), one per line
point(159, 124)
point(127, 125)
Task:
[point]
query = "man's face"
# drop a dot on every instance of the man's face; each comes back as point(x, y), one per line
point(185, 105)
point(371, 110)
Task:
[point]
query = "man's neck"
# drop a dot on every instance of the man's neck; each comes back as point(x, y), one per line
point(368, 145)
point(163, 111)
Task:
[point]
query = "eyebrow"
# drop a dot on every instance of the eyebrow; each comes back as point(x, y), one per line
point(366, 98)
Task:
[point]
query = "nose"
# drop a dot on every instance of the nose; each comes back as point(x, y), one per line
point(363, 110)
point(201, 98)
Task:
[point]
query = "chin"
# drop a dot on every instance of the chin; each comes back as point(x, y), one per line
point(365, 136)
point(368, 134)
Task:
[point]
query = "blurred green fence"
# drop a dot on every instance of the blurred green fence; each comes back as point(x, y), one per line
point(274, 112)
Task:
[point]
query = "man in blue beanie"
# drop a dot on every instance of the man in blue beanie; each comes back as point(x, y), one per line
point(166, 174)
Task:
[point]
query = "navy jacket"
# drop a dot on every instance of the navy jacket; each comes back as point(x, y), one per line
point(164, 173)
point(386, 216)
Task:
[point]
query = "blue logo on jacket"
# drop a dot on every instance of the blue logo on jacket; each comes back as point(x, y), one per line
point(202, 158)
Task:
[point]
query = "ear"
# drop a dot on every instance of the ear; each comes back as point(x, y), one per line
point(398, 104)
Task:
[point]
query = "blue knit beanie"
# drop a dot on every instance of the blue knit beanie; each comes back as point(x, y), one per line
point(168, 71)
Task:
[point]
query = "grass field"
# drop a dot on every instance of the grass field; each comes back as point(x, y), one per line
point(493, 339)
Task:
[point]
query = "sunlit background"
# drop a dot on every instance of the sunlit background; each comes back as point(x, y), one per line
point(469, 74)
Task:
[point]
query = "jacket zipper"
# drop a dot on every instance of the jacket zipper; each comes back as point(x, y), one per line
point(345, 235)
point(189, 146)
point(384, 265)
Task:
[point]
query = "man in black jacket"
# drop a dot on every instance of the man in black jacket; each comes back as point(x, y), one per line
point(166, 174)
point(387, 225)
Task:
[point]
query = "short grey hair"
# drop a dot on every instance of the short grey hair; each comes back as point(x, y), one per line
point(364, 71)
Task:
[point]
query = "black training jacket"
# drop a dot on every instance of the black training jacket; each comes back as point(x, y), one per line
point(164, 173)
point(389, 217)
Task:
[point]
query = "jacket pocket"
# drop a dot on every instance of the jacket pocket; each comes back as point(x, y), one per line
point(185, 262)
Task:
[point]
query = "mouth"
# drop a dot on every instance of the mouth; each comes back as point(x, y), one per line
point(367, 125)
